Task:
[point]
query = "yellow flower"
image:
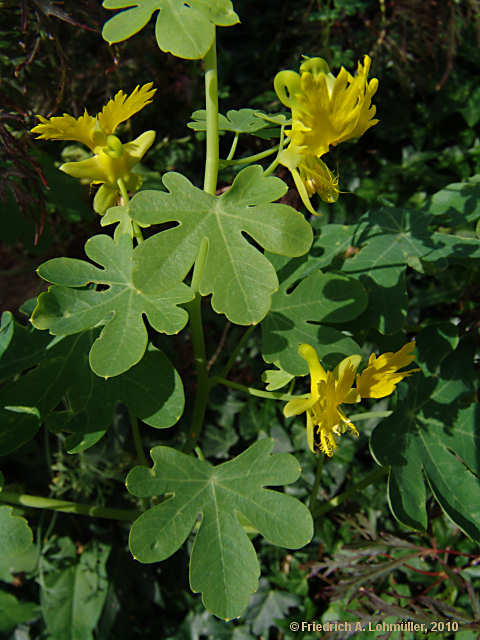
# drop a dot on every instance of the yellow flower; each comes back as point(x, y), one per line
point(382, 374)
point(326, 110)
point(311, 175)
point(328, 391)
point(112, 160)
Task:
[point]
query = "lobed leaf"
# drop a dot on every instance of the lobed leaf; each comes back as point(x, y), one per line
point(305, 313)
point(223, 564)
point(237, 121)
point(389, 240)
point(185, 29)
point(66, 310)
point(457, 202)
point(269, 606)
point(238, 275)
point(432, 437)
point(152, 389)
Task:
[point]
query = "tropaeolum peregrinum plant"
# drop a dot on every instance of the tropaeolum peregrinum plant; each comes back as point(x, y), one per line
point(253, 256)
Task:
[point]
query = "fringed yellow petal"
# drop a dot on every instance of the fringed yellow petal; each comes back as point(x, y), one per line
point(326, 110)
point(325, 419)
point(344, 374)
point(347, 363)
point(327, 443)
point(382, 374)
point(67, 127)
point(123, 106)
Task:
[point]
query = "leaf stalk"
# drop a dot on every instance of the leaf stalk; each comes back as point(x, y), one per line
point(92, 510)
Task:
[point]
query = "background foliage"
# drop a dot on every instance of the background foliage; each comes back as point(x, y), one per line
point(419, 165)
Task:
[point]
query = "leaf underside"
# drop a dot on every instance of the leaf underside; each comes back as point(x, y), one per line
point(223, 564)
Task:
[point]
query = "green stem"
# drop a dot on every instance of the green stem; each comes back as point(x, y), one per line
point(248, 159)
point(233, 148)
point(236, 351)
point(124, 193)
point(271, 167)
point(316, 484)
point(93, 510)
point(211, 105)
point(269, 395)
point(199, 453)
point(203, 385)
point(137, 232)
point(137, 439)
point(195, 307)
point(123, 190)
point(372, 477)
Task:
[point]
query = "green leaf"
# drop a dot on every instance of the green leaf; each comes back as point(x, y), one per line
point(72, 598)
point(435, 437)
point(255, 417)
point(121, 216)
point(279, 119)
point(435, 342)
point(239, 276)
point(269, 605)
point(223, 564)
point(6, 331)
point(15, 535)
point(304, 315)
point(241, 121)
point(77, 442)
point(458, 201)
point(276, 378)
point(395, 238)
point(65, 310)
point(13, 612)
point(20, 563)
point(389, 239)
point(332, 241)
point(392, 238)
point(16, 427)
point(216, 441)
point(152, 389)
point(185, 29)
point(471, 111)
point(26, 347)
